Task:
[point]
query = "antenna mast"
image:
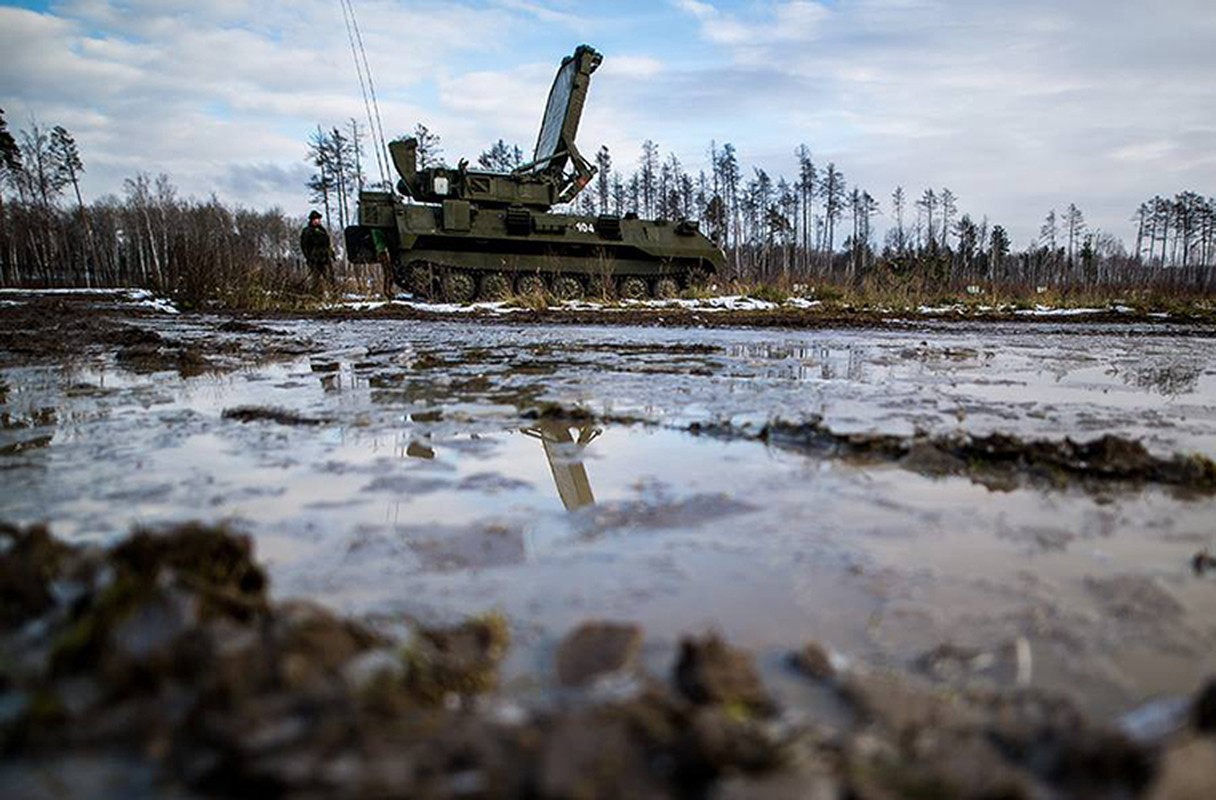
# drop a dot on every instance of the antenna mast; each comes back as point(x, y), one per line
point(368, 89)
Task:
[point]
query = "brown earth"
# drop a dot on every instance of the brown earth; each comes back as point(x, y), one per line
point(164, 656)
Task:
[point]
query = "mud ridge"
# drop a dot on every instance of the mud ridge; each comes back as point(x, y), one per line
point(282, 416)
point(998, 461)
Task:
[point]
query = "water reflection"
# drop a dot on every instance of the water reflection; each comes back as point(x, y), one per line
point(805, 362)
point(564, 445)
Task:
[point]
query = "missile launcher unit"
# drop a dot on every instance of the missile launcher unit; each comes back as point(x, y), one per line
point(461, 234)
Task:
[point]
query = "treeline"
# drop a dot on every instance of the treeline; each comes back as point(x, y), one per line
point(814, 228)
point(196, 251)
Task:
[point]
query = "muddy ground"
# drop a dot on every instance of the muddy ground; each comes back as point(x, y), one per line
point(646, 553)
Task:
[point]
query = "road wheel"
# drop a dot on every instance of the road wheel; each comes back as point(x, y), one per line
point(666, 288)
point(697, 278)
point(459, 286)
point(567, 287)
point(418, 279)
point(530, 285)
point(495, 286)
point(631, 289)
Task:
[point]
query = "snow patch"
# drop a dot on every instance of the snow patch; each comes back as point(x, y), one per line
point(142, 298)
point(1048, 311)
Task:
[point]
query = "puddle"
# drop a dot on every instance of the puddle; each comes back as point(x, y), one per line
point(390, 473)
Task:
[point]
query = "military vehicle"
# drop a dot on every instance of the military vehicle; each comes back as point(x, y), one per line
point(460, 234)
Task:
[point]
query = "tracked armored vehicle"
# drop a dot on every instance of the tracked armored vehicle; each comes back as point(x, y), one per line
point(460, 234)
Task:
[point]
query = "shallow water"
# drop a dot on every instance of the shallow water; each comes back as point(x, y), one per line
point(421, 493)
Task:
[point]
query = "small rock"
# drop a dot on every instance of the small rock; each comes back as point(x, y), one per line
point(595, 648)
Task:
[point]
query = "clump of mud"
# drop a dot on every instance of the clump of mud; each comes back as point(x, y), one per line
point(281, 416)
point(998, 461)
point(162, 664)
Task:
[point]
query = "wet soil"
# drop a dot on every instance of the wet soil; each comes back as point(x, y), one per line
point(386, 556)
point(162, 661)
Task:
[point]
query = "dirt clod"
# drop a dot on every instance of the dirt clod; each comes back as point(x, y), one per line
point(595, 648)
point(1203, 562)
point(282, 416)
point(1203, 713)
point(458, 660)
point(710, 671)
point(29, 560)
point(814, 661)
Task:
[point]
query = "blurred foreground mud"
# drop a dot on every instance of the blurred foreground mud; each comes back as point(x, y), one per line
point(159, 667)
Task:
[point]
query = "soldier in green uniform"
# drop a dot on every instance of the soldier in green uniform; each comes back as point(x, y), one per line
point(318, 253)
point(384, 256)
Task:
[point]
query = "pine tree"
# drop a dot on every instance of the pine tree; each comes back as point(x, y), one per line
point(603, 178)
point(430, 154)
point(501, 157)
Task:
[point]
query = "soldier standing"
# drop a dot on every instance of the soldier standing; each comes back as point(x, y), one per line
point(318, 253)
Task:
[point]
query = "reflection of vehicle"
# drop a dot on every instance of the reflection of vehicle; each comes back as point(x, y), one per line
point(564, 450)
point(475, 233)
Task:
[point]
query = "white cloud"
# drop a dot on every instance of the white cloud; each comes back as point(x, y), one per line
point(1017, 107)
point(1010, 105)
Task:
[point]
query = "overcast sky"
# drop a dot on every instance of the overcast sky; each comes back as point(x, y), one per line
point(1017, 107)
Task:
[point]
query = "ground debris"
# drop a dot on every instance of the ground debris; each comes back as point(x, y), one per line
point(595, 648)
point(710, 671)
point(815, 661)
point(999, 461)
point(240, 326)
point(282, 416)
point(925, 740)
point(1203, 562)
